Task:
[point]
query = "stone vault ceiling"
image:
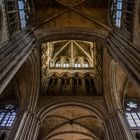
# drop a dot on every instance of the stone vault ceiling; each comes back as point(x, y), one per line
point(67, 14)
point(71, 123)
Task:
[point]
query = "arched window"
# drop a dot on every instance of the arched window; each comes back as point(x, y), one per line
point(22, 13)
point(7, 115)
point(77, 80)
point(85, 64)
point(16, 15)
point(116, 12)
point(53, 80)
point(77, 64)
point(58, 64)
point(66, 63)
point(132, 112)
point(65, 81)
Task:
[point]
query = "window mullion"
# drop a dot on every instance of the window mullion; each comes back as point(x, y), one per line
point(2, 118)
point(8, 118)
point(134, 120)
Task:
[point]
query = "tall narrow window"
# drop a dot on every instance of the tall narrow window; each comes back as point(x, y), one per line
point(16, 15)
point(85, 64)
point(116, 12)
point(66, 63)
point(7, 115)
point(132, 111)
point(57, 65)
point(22, 13)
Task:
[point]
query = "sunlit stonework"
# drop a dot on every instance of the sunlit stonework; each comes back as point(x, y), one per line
point(70, 63)
point(69, 69)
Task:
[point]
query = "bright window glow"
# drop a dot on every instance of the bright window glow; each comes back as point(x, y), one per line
point(22, 14)
point(66, 65)
point(85, 65)
point(132, 114)
point(116, 10)
point(132, 105)
point(130, 120)
point(77, 65)
point(7, 115)
point(57, 65)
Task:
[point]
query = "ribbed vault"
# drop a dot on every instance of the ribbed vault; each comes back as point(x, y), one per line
point(71, 123)
point(58, 14)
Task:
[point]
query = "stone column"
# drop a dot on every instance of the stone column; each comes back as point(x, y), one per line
point(45, 85)
point(59, 85)
point(116, 127)
point(70, 85)
point(83, 86)
point(27, 127)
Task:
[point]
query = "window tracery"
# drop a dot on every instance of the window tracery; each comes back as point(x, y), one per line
point(22, 13)
point(65, 80)
point(77, 80)
point(53, 80)
point(116, 12)
point(85, 64)
point(8, 114)
point(77, 63)
point(58, 64)
point(132, 111)
point(66, 63)
point(16, 15)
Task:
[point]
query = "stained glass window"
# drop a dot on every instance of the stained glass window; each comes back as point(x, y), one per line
point(22, 13)
point(116, 12)
point(16, 15)
point(132, 112)
point(7, 115)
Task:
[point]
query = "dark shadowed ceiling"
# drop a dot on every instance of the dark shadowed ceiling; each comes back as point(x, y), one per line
point(87, 14)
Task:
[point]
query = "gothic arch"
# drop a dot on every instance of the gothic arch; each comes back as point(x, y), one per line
point(96, 35)
point(29, 73)
point(95, 107)
point(67, 74)
point(55, 110)
point(116, 80)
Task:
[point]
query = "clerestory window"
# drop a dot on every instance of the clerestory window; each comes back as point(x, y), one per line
point(85, 65)
point(7, 115)
point(66, 65)
point(132, 112)
point(22, 13)
point(57, 65)
point(77, 65)
point(16, 15)
point(116, 12)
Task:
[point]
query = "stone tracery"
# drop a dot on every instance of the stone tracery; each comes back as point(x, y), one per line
point(86, 66)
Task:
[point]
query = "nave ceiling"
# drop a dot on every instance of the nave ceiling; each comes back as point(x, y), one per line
point(86, 14)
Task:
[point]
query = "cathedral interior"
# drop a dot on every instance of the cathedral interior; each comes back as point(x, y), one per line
point(69, 69)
